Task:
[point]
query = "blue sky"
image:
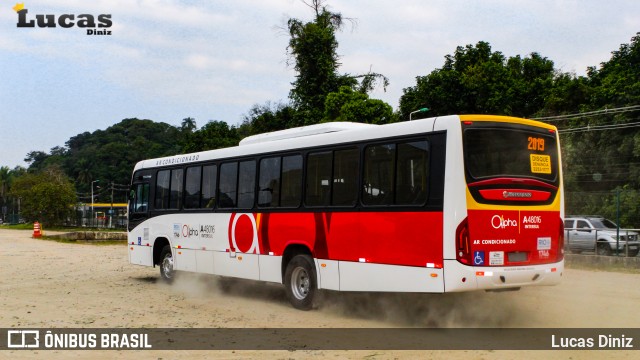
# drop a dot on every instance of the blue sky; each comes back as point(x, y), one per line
point(212, 60)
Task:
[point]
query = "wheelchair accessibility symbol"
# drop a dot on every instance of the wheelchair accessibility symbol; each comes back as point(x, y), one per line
point(478, 258)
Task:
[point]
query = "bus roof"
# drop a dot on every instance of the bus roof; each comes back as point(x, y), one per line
point(320, 135)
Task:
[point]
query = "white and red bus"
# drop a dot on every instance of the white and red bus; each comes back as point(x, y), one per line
point(454, 203)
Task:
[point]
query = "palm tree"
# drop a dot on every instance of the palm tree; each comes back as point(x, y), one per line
point(188, 125)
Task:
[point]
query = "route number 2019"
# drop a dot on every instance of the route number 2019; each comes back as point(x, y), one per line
point(535, 144)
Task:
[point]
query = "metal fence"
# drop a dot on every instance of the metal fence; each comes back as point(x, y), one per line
point(622, 242)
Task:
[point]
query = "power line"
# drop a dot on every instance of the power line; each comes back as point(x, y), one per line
point(599, 128)
point(605, 111)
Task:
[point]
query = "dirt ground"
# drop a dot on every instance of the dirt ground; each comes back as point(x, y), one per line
point(46, 284)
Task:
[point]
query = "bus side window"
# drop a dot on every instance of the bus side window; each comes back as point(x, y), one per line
point(318, 179)
point(228, 185)
point(345, 177)
point(247, 184)
point(291, 193)
point(140, 198)
point(209, 175)
point(192, 187)
point(269, 183)
point(176, 189)
point(162, 189)
point(379, 165)
point(411, 173)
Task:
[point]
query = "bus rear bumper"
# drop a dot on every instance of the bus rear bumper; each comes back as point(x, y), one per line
point(459, 277)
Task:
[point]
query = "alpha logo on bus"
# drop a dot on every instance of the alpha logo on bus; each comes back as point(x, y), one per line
point(188, 231)
point(500, 222)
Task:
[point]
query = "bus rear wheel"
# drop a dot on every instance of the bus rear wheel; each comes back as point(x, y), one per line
point(300, 282)
point(166, 265)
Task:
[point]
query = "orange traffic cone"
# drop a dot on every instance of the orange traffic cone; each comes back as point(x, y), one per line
point(36, 230)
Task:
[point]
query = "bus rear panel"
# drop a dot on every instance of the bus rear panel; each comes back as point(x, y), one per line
point(512, 234)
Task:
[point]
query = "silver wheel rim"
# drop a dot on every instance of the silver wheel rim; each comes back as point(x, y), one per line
point(300, 283)
point(167, 266)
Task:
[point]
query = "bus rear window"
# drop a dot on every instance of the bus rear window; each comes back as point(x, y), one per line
point(492, 152)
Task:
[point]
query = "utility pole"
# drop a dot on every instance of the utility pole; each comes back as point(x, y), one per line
point(618, 222)
point(111, 211)
point(92, 220)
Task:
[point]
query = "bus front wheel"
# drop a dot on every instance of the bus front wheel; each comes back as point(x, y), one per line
point(300, 282)
point(166, 265)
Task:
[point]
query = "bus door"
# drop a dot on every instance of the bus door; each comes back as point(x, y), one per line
point(138, 204)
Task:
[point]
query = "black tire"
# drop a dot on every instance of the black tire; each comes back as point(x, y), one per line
point(300, 282)
point(633, 253)
point(603, 249)
point(167, 272)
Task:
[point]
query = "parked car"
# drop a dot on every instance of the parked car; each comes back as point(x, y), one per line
point(595, 233)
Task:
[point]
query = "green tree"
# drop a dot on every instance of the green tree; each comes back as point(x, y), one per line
point(313, 47)
point(109, 155)
point(354, 106)
point(269, 117)
point(188, 125)
point(214, 135)
point(477, 80)
point(36, 159)
point(617, 82)
point(47, 196)
point(5, 174)
point(615, 154)
point(5, 178)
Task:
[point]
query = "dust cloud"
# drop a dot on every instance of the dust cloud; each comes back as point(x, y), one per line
point(427, 310)
point(195, 285)
point(475, 309)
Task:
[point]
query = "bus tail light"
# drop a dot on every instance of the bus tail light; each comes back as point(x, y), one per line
point(560, 255)
point(463, 243)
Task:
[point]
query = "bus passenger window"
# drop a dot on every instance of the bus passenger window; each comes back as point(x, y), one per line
point(247, 184)
point(291, 181)
point(269, 184)
point(162, 189)
point(176, 189)
point(345, 177)
point(412, 173)
point(228, 185)
point(209, 175)
point(192, 188)
point(318, 179)
point(379, 165)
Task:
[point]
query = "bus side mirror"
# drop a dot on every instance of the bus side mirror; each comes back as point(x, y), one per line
point(132, 195)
